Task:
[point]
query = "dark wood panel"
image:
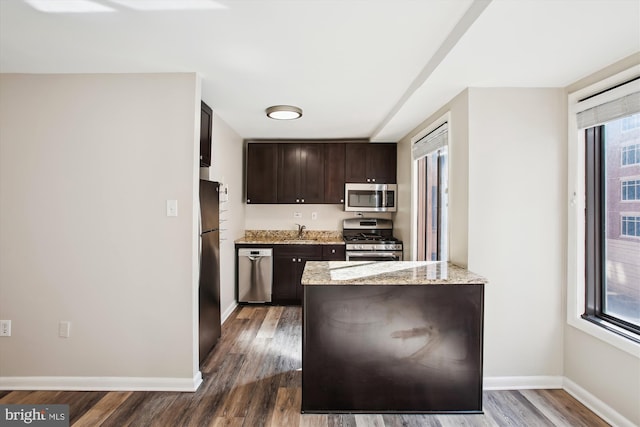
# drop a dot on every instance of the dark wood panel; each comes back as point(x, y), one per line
point(356, 166)
point(262, 167)
point(371, 163)
point(334, 173)
point(288, 173)
point(206, 130)
point(311, 169)
point(381, 163)
point(233, 364)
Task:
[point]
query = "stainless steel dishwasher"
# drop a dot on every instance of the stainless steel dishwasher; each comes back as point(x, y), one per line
point(255, 274)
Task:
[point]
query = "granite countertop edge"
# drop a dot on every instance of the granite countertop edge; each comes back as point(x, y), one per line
point(336, 273)
point(243, 241)
point(290, 237)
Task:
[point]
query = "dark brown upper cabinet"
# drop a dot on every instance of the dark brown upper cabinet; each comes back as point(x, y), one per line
point(371, 163)
point(300, 173)
point(334, 170)
point(206, 129)
point(262, 172)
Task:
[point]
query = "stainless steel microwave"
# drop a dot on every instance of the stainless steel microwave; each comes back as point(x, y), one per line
point(371, 197)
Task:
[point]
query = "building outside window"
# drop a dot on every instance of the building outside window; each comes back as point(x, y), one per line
point(613, 223)
point(631, 189)
point(631, 155)
point(631, 226)
point(630, 123)
point(430, 154)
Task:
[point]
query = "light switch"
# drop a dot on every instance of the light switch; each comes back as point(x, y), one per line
point(172, 208)
point(64, 329)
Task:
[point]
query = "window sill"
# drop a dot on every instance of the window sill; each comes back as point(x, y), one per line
point(609, 333)
point(613, 328)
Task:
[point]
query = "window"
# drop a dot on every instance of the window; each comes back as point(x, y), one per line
point(631, 154)
point(631, 189)
point(612, 295)
point(631, 226)
point(630, 123)
point(430, 155)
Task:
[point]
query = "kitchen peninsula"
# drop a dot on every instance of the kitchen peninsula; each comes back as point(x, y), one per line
point(402, 337)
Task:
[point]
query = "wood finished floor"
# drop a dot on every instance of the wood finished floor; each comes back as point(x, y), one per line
point(252, 378)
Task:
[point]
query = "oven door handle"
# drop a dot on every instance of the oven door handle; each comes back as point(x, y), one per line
point(356, 255)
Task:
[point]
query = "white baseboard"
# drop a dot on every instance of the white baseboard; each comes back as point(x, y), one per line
point(521, 383)
point(596, 405)
point(101, 383)
point(227, 312)
point(603, 410)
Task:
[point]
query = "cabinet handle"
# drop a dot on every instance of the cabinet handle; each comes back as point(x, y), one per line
point(299, 260)
point(302, 200)
point(248, 200)
point(368, 180)
point(333, 251)
point(294, 260)
point(297, 200)
point(341, 200)
point(373, 180)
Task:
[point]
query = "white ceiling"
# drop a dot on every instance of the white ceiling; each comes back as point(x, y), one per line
point(358, 68)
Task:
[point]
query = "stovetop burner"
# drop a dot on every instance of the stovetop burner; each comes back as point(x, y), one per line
point(369, 237)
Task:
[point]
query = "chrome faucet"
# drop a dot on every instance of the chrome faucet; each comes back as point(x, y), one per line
point(301, 228)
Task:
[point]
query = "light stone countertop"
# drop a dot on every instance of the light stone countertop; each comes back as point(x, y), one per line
point(387, 273)
point(290, 237)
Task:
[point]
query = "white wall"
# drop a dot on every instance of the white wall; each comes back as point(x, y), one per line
point(517, 195)
point(280, 217)
point(87, 163)
point(404, 226)
point(503, 140)
point(604, 373)
point(226, 167)
point(516, 144)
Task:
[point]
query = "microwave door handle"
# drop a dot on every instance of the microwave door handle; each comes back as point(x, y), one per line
point(384, 197)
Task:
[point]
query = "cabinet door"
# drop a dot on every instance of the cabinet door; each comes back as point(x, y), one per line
point(334, 173)
point(288, 266)
point(356, 165)
point(381, 163)
point(288, 173)
point(311, 172)
point(299, 271)
point(262, 166)
point(206, 127)
point(284, 278)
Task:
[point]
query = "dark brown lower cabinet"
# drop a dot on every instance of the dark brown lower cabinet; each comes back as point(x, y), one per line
point(288, 266)
point(333, 252)
point(392, 348)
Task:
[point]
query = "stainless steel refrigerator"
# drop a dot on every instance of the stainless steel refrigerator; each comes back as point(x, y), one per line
point(209, 285)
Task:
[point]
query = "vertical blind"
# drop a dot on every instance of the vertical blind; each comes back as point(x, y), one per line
point(431, 142)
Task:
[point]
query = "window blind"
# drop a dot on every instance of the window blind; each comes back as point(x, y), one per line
point(431, 142)
point(625, 104)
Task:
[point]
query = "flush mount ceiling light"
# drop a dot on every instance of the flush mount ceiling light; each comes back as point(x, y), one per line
point(284, 112)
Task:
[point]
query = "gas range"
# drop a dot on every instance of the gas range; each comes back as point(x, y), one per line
point(371, 239)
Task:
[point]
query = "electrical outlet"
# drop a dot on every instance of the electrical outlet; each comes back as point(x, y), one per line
point(64, 327)
point(5, 328)
point(314, 215)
